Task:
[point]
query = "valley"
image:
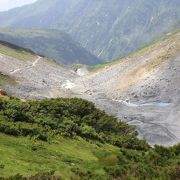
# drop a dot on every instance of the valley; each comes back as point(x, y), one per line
point(141, 89)
point(90, 90)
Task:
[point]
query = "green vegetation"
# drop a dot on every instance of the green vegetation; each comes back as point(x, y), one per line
point(53, 44)
point(16, 51)
point(71, 139)
point(64, 156)
point(48, 119)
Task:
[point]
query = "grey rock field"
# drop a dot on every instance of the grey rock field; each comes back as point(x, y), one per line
point(142, 89)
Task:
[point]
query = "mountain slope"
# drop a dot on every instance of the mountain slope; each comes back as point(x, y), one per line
point(108, 29)
point(142, 88)
point(33, 76)
point(53, 44)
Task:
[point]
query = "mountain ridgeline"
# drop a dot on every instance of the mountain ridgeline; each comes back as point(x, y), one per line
point(108, 29)
point(53, 44)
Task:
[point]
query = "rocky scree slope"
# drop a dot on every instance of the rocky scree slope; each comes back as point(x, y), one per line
point(29, 75)
point(141, 89)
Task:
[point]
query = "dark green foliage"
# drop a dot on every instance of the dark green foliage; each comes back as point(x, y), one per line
point(157, 163)
point(46, 119)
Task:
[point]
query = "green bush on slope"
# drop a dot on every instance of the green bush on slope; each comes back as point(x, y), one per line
point(72, 139)
point(47, 119)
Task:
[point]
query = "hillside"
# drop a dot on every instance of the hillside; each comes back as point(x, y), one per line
point(141, 89)
point(27, 75)
point(108, 29)
point(53, 44)
point(65, 138)
point(71, 139)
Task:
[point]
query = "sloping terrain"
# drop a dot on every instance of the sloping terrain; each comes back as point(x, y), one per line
point(71, 139)
point(109, 29)
point(141, 89)
point(33, 75)
point(53, 44)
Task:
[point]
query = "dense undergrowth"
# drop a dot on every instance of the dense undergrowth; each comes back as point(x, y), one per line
point(71, 139)
point(48, 119)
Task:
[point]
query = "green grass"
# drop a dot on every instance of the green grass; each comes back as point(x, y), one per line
point(81, 142)
point(28, 157)
point(16, 52)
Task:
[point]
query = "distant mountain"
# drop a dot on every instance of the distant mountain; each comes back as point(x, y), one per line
point(53, 44)
point(109, 29)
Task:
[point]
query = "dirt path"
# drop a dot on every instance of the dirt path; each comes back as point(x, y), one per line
point(26, 67)
point(36, 61)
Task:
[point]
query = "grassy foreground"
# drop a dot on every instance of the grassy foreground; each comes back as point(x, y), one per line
point(66, 157)
point(71, 139)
